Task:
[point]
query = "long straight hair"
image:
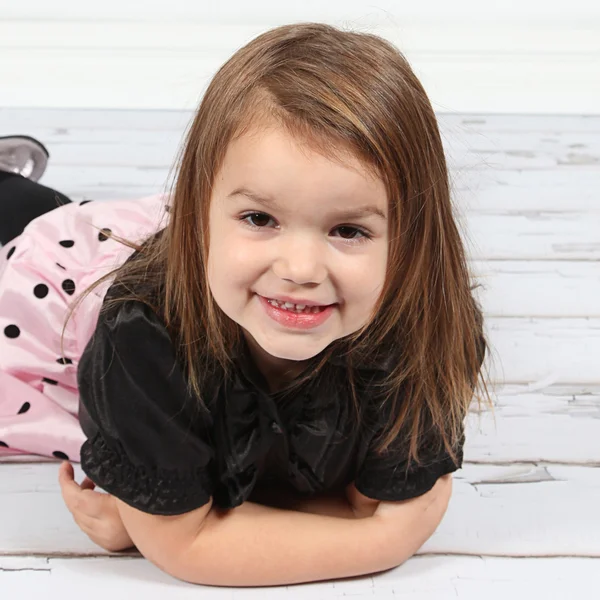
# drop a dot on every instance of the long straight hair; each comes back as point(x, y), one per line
point(340, 93)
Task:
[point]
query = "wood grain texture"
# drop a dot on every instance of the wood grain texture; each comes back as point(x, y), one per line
point(523, 521)
point(158, 55)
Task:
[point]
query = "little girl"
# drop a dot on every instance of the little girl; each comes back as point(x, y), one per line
point(294, 321)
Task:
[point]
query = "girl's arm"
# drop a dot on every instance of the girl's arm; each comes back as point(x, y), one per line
point(256, 545)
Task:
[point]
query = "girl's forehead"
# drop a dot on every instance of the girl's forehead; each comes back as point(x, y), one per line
point(269, 152)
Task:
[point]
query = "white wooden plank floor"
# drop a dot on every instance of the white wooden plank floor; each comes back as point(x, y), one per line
point(524, 518)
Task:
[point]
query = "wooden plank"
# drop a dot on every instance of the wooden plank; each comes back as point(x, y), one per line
point(64, 121)
point(530, 498)
point(538, 288)
point(563, 351)
point(521, 191)
point(550, 236)
point(523, 427)
point(422, 577)
point(541, 123)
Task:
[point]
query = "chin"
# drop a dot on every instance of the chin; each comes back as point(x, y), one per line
point(291, 352)
point(293, 357)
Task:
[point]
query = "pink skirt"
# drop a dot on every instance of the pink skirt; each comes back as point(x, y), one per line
point(42, 272)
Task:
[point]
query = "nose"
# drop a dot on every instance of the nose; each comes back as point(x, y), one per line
point(300, 259)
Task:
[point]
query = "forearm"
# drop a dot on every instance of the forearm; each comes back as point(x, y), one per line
point(256, 545)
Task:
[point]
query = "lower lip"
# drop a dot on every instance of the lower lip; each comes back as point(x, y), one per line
point(296, 320)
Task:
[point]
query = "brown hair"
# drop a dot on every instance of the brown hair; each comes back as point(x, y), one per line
point(338, 92)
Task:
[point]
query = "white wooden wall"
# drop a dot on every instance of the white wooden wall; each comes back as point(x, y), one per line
point(520, 57)
point(523, 520)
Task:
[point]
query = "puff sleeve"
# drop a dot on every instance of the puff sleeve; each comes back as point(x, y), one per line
point(146, 445)
point(390, 478)
point(387, 477)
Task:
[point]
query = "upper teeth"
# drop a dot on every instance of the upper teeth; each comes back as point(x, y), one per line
point(291, 306)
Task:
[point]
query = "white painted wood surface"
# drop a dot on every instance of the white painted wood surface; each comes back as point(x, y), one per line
point(509, 57)
point(523, 520)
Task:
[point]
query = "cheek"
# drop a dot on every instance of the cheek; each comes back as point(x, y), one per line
point(362, 279)
point(232, 263)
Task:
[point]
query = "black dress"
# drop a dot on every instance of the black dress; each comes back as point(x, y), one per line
point(150, 445)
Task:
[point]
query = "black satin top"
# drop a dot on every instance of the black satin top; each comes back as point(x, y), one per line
point(152, 446)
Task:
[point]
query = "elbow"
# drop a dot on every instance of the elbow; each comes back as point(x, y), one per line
point(420, 529)
point(437, 509)
point(169, 558)
point(193, 563)
point(177, 565)
point(186, 564)
point(167, 541)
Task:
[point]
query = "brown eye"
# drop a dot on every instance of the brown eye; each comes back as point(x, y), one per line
point(252, 224)
point(349, 230)
point(257, 221)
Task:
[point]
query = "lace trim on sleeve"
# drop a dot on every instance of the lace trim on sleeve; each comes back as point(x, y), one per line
point(153, 490)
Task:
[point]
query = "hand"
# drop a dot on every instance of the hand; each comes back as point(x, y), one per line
point(95, 513)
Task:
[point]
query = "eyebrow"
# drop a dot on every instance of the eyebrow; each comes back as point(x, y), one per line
point(354, 213)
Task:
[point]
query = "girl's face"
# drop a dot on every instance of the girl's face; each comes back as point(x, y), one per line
point(301, 245)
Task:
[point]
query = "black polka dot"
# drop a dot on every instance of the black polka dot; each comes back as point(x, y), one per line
point(67, 243)
point(26, 406)
point(50, 381)
point(84, 202)
point(4, 444)
point(60, 454)
point(64, 361)
point(61, 266)
point(69, 286)
point(10, 252)
point(40, 290)
point(167, 208)
point(101, 235)
point(12, 331)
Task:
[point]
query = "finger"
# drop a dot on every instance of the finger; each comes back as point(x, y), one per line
point(82, 503)
point(71, 492)
point(65, 471)
point(65, 477)
point(87, 484)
